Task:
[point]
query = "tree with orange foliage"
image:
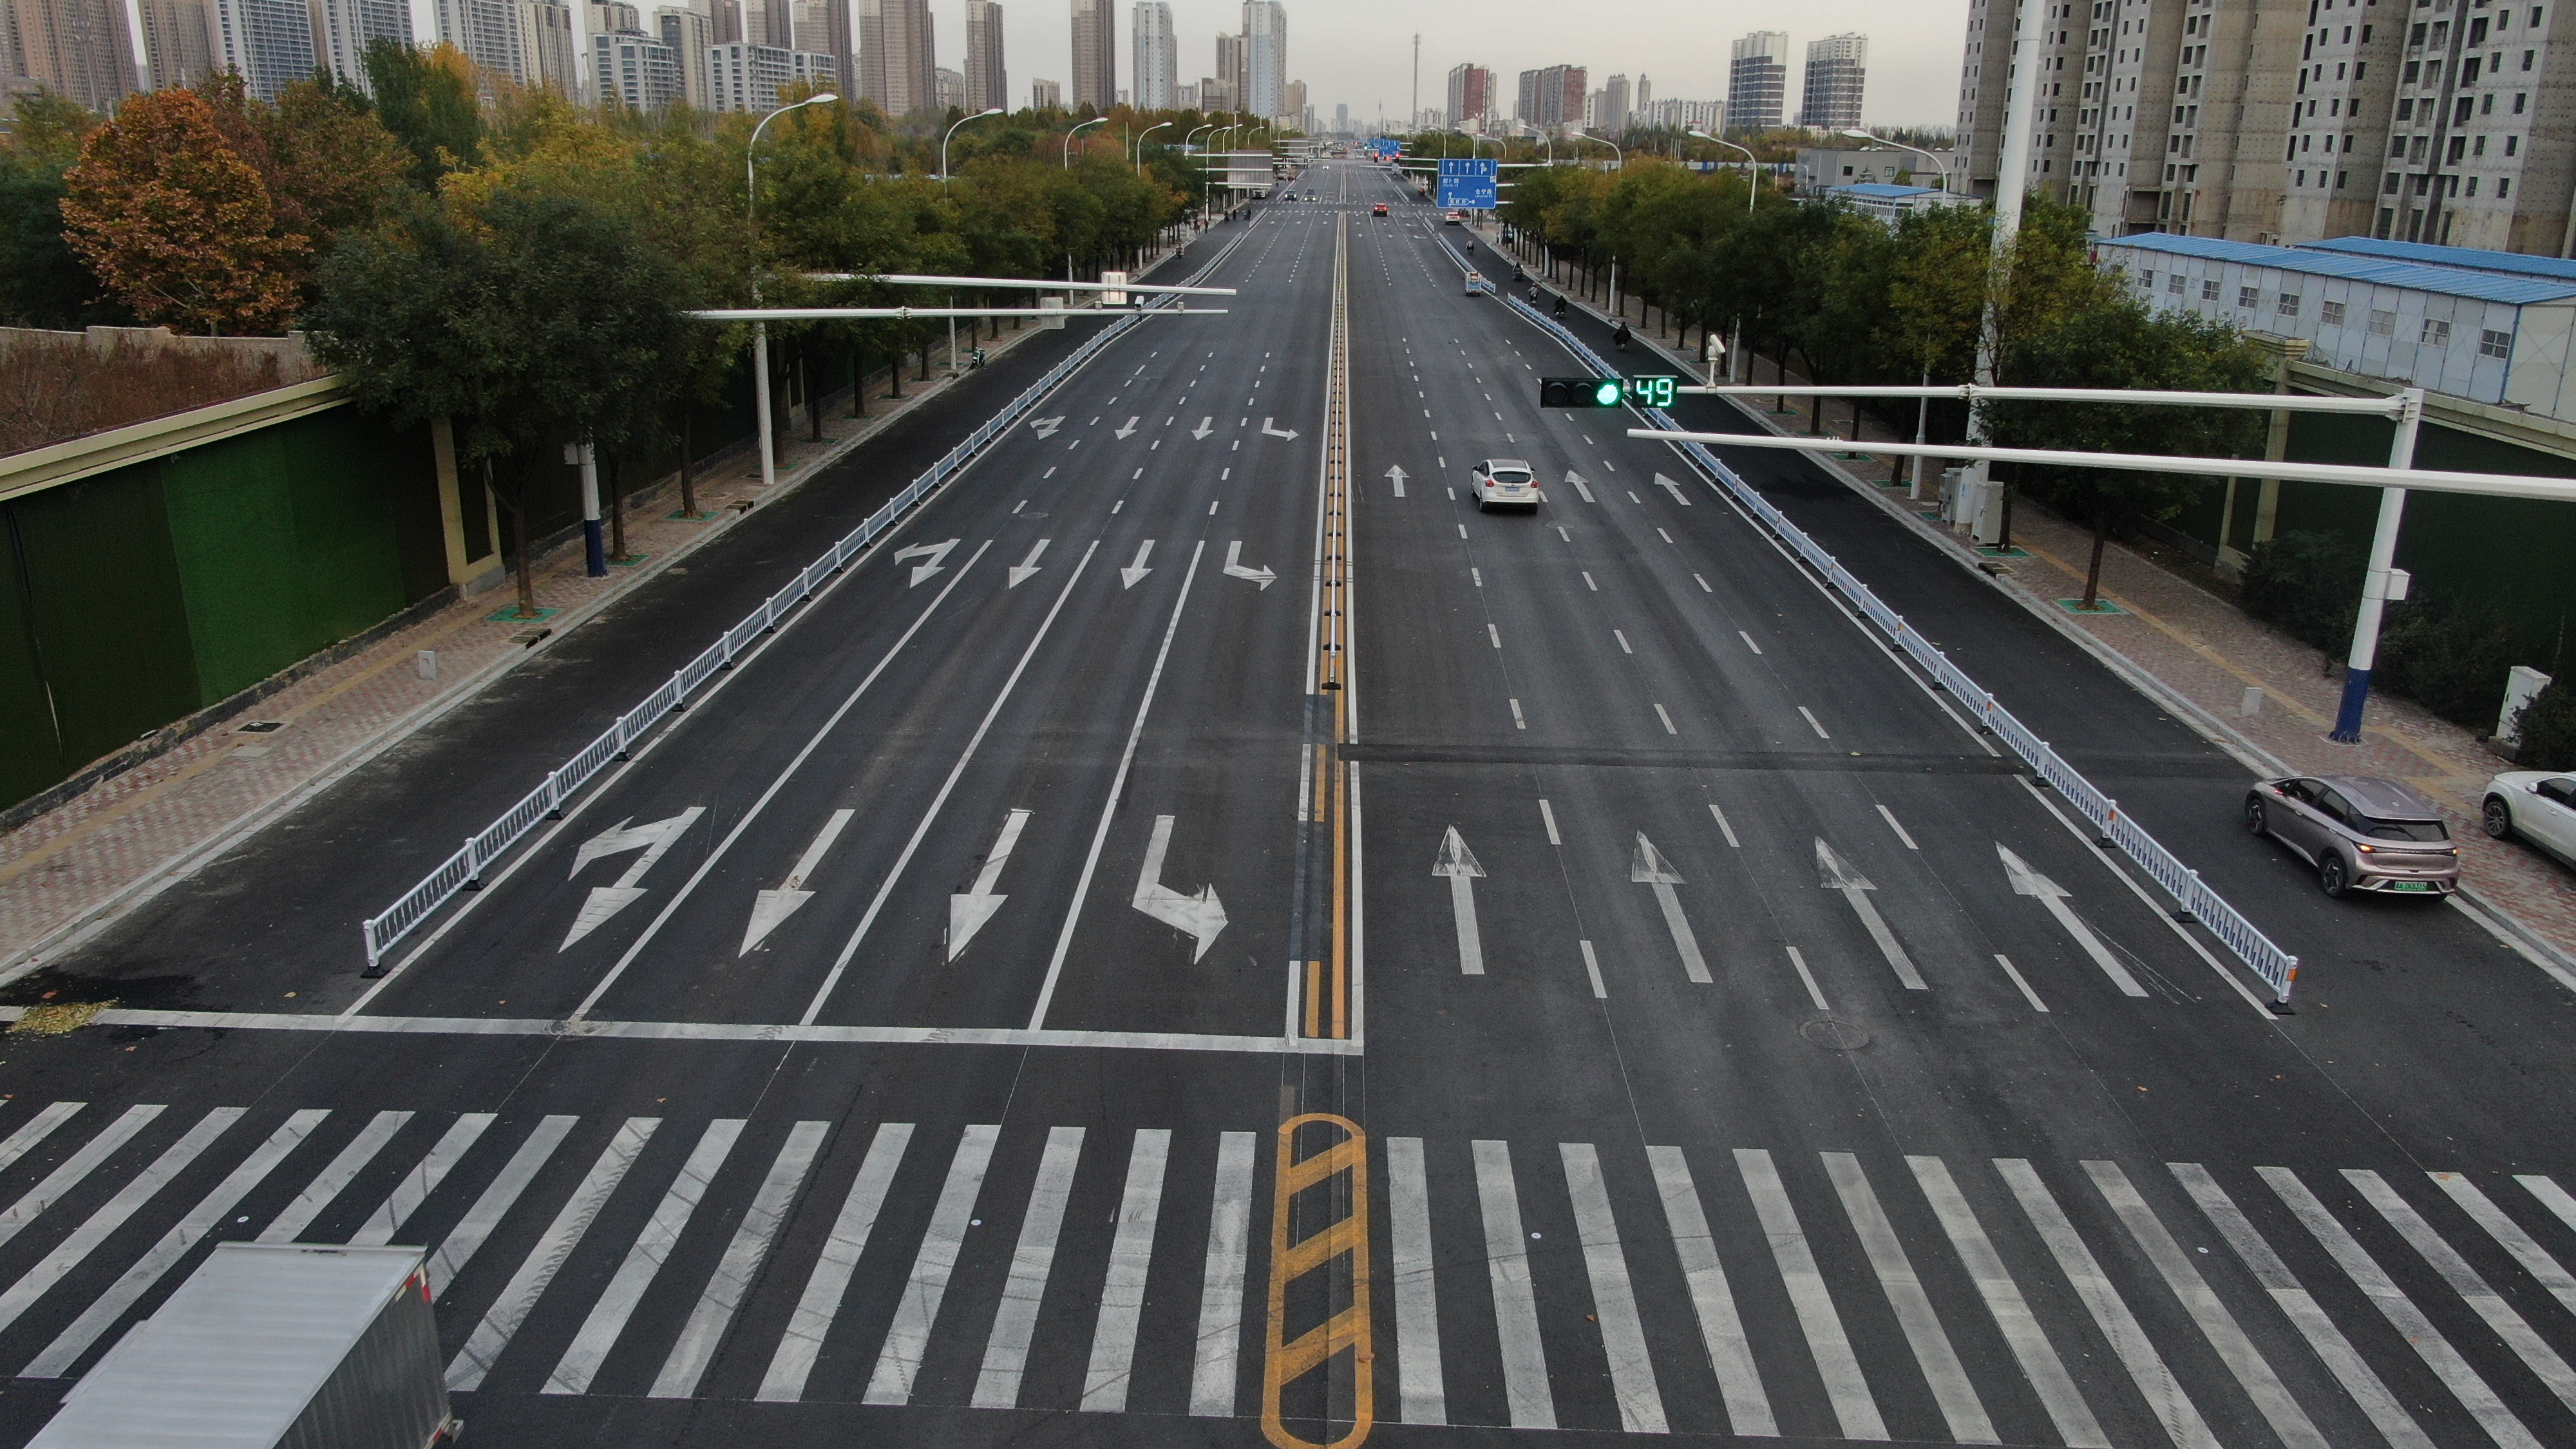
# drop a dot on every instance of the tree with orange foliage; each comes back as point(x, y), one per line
point(177, 225)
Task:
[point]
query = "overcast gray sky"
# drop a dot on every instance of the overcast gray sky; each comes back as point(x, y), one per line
point(1360, 52)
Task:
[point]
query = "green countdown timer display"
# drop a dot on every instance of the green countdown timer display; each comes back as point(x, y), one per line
point(1648, 392)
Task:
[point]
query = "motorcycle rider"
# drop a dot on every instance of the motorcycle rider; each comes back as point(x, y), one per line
point(1619, 338)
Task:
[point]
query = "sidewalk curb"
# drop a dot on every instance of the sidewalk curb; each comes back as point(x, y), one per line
point(180, 866)
point(2472, 903)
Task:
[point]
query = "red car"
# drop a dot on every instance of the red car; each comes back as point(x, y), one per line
point(1378, 210)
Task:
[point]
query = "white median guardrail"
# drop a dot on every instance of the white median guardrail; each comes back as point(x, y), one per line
point(463, 871)
point(2192, 897)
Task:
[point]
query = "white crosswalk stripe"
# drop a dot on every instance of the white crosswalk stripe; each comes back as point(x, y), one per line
point(2080, 1270)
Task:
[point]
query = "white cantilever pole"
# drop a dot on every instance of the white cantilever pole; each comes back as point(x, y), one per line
point(2012, 178)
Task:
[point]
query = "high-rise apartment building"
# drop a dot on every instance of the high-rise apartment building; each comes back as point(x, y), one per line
point(824, 25)
point(1342, 112)
point(1265, 57)
point(727, 15)
point(1229, 71)
point(1157, 67)
point(1216, 97)
point(636, 70)
point(1553, 96)
point(1757, 80)
point(345, 28)
point(549, 36)
point(1046, 95)
point(1610, 106)
point(1471, 95)
point(178, 42)
point(771, 23)
point(81, 50)
point(988, 83)
point(1095, 55)
point(1837, 68)
point(745, 77)
point(897, 69)
point(2292, 120)
point(488, 32)
point(948, 89)
point(1292, 107)
point(689, 32)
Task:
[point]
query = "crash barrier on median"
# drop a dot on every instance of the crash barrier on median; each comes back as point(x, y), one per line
point(463, 871)
point(2191, 896)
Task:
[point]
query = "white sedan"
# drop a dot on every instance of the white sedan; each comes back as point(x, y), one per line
point(1504, 483)
point(2538, 806)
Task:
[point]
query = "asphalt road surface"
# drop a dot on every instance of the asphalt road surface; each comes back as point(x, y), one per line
point(1200, 939)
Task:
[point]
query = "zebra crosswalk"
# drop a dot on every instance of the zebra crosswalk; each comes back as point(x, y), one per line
point(1758, 1291)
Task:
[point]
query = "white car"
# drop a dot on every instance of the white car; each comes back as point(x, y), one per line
point(1503, 483)
point(2536, 805)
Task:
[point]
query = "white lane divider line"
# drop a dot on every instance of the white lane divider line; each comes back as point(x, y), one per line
point(1623, 641)
point(1478, 575)
point(2027, 994)
point(1748, 641)
point(1846, 1388)
point(1890, 817)
point(1592, 969)
point(1494, 634)
point(1518, 723)
point(1587, 582)
point(1667, 718)
point(1703, 585)
point(1633, 498)
point(1723, 828)
point(1666, 536)
point(1811, 723)
point(1547, 816)
point(1815, 993)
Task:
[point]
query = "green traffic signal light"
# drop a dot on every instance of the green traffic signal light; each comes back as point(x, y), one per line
point(1605, 393)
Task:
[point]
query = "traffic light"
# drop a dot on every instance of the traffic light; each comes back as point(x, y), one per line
point(1578, 392)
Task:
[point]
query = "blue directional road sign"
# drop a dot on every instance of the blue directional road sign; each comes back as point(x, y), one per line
point(1467, 185)
point(1385, 148)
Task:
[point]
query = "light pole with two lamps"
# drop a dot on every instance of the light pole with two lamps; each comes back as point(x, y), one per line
point(943, 175)
point(760, 330)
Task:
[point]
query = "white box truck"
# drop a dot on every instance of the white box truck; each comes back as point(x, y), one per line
point(273, 1346)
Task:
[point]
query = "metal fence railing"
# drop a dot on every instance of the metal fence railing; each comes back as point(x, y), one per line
point(2191, 895)
point(463, 871)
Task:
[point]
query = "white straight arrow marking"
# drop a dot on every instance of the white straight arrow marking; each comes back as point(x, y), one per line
point(1128, 431)
point(768, 908)
point(934, 551)
point(1396, 475)
point(606, 901)
point(1458, 863)
point(1205, 427)
point(1650, 868)
point(1234, 566)
point(1201, 915)
point(1577, 480)
point(1675, 489)
point(1274, 432)
point(1852, 884)
point(967, 913)
point(1021, 571)
point(1135, 572)
point(2028, 882)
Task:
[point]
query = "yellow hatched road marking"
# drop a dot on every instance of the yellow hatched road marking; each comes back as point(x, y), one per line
point(1346, 1243)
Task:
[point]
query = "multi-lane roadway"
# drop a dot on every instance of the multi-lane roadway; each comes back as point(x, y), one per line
point(1205, 936)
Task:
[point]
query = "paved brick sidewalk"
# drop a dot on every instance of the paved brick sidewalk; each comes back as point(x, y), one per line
point(66, 871)
point(2205, 653)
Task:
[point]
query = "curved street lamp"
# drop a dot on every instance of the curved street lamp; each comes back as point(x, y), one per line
point(1068, 139)
point(760, 330)
point(952, 131)
point(1140, 142)
point(1752, 189)
point(1922, 406)
point(1942, 166)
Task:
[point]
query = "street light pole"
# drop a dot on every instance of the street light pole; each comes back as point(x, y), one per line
point(952, 132)
point(2012, 179)
point(1140, 142)
point(1752, 190)
point(1068, 139)
point(2374, 584)
point(1922, 406)
point(760, 330)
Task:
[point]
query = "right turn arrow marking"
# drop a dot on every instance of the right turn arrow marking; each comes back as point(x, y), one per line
point(1650, 868)
point(1458, 863)
point(1234, 566)
point(1201, 915)
point(968, 911)
point(2028, 882)
point(771, 907)
point(1854, 886)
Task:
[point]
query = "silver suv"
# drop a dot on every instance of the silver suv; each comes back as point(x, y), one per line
point(2361, 833)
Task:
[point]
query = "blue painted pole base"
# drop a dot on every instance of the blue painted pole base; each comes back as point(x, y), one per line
point(594, 548)
point(2356, 689)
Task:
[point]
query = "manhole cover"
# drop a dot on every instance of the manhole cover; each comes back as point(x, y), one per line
point(1835, 1036)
